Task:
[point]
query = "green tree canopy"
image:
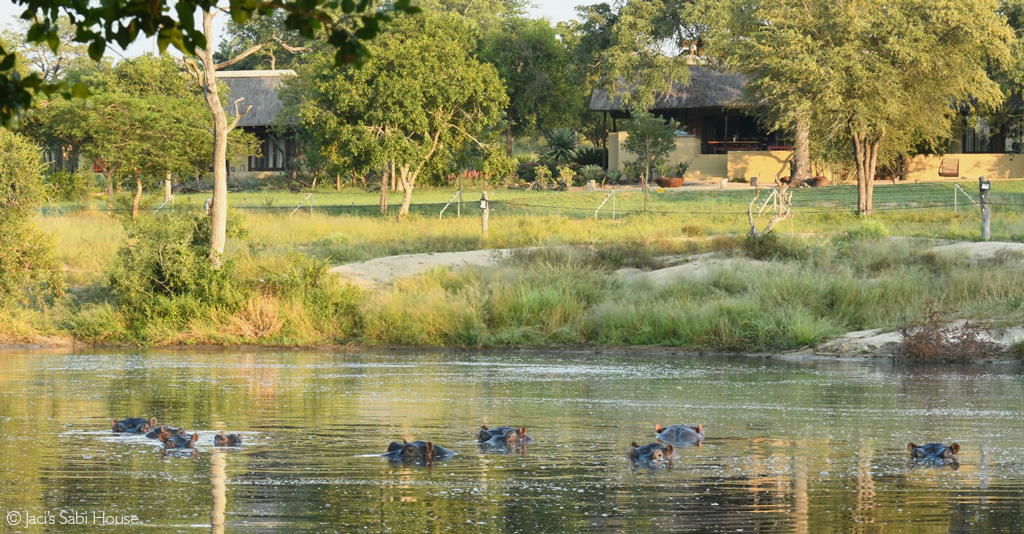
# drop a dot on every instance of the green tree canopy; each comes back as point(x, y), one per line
point(395, 110)
point(534, 66)
point(348, 24)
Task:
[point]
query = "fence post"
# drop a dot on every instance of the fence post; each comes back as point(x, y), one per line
point(984, 187)
point(167, 187)
point(485, 205)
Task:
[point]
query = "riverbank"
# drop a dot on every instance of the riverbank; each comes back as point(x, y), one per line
point(796, 295)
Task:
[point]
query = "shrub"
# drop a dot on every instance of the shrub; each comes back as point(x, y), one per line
point(70, 186)
point(527, 170)
point(614, 177)
point(27, 263)
point(931, 338)
point(543, 176)
point(566, 176)
point(588, 155)
point(561, 145)
point(162, 272)
point(591, 172)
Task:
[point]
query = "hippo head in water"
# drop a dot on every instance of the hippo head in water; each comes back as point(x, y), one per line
point(933, 451)
point(163, 432)
point(504, 435)
point(181, 441)
point(680, 434)
point(133, 425)
point(417, 452)
point(651, 453)
point(230, 440)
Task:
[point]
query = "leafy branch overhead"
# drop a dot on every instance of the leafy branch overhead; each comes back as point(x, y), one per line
point(348, 25)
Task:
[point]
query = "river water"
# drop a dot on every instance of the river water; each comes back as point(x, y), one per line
point(792, 446)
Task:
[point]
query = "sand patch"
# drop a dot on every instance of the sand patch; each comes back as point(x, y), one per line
point(384, 270)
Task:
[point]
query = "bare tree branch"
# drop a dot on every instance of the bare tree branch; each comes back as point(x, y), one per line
point(238, 116)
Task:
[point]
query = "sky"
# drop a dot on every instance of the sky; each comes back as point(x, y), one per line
point(554, 10)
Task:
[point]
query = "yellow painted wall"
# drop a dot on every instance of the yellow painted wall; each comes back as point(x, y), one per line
point(768, 165)
point(686, 149)
point(992, 166)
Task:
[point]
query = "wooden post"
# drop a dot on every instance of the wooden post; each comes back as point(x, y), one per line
point(486, 206)
point(986, 213)
point(167, 187)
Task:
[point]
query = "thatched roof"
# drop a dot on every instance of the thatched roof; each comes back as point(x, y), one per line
point(707, 89)
point(259, 88)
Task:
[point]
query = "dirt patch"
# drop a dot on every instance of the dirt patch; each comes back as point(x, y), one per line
point(380, 271)
point(982, 250)
point(696, 267)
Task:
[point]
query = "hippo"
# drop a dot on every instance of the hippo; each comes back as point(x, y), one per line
point(651, 453)
point(166, 431)
point(230, 440)
point(181, 441)
point(423, 452)
point(680, 434)
point(503, 435)
point(934, 452)
point(133, 425)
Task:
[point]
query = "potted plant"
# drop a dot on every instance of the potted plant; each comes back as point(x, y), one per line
point(674, 177)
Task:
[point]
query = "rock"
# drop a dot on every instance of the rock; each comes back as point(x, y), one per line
point(591, 186)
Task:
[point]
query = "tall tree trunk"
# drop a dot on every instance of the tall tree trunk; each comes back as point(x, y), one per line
point(219, 209)
point(138, 196)
point(802, 147)
point(866, 153)
point(384, 192)
point(508, 137)
point(110, 190)
point(337, 182)
point(406, 179)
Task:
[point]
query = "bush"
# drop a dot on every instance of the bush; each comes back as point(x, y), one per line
point(930, 338)
point(561, 145)
point(588, 155)
point(27, 264)
point(590, 172)
point(527, 170)
point(162, 272)
point(70, 186)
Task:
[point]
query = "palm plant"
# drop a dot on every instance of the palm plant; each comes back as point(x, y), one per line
point(613, 176)
point(562, 145)
point(590, 172)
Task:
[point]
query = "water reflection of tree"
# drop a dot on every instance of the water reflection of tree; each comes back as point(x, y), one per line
point(218, 479)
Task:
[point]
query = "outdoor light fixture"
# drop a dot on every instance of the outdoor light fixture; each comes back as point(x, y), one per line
point(985, 184)
point(483, 202)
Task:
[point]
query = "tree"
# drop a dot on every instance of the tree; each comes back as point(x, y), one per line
point(651, 43)
point(205, 71)
point(52, 65)
point(144, 122)
point(775, 46)
point(533, 64)
point(879, 73)
point(121, 21)
point(26, 255)
point(651, 139)
point(260, 29)
point(394, 112)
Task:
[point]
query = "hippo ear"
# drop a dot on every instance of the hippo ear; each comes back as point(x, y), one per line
point(483, 427)
point(634, 444)
point(911, 446)
point(195, 438)
point(522, 431)
point(658, 428)
point(700, 428)
point(152, 422)
point(113, 424)
point(163, 428)
point(668, 449)
point(955, 448)
point(430, 450)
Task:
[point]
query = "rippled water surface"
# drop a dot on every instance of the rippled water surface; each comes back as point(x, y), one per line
point(792, 446)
